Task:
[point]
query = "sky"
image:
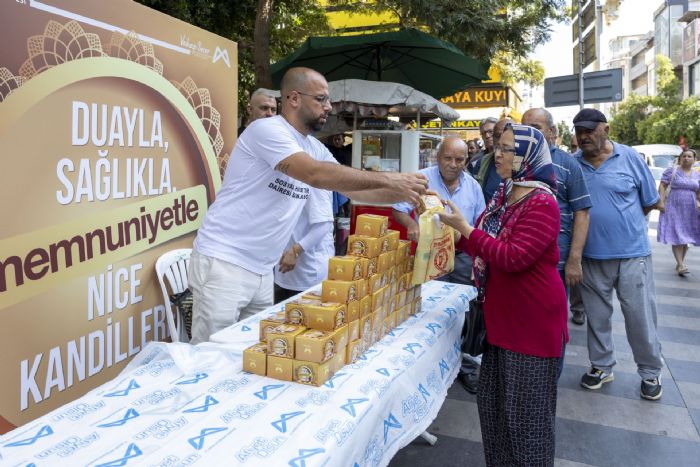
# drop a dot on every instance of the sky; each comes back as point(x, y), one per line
point(636, 17)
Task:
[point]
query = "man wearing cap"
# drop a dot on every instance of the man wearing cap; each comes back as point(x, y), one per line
point(573, 200)
point(617, 254)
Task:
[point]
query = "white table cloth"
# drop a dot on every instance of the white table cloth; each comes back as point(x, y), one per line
point(177, 404)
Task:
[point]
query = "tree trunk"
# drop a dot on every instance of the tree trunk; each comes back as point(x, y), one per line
point(262, 44)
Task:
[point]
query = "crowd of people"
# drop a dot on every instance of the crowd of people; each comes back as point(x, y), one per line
point(541, 232)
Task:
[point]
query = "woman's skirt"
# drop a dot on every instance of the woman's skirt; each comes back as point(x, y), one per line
point(517, 401)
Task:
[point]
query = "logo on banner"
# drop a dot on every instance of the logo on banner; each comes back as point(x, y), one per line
point(305, 454)
point(221, 54)
point(245, 328)
point(411, 346)
point(433, 326)
point(281, 424)
point(208, 402)
point(383, 371)
point(331, 382)
point(124, 392)
point(349, 407)
point(424, 392)
point(197, 378)
point(443, 367)
point(389, 423)
point(43, 432)
point(131, 413)
point(197, 442)
point(262, 394)
point(131, 451)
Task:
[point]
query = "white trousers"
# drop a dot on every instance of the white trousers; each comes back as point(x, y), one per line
point(223, 293)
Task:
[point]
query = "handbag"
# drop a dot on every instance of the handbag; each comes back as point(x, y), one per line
point(474, 330)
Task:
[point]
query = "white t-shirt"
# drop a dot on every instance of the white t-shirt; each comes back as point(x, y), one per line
point(256, 209)
point(312, 265)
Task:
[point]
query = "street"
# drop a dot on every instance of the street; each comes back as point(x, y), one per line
point(612, 426)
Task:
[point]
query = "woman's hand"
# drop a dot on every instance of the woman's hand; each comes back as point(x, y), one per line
point(661, 206)
point(455, 219)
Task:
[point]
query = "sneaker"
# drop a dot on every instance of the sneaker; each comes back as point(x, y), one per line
point(595, 378)
point(578, 317)
point(651, 389)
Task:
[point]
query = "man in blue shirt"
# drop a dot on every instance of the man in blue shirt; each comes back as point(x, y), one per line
point(450, 182)
point(617, 254)
point(573, 200)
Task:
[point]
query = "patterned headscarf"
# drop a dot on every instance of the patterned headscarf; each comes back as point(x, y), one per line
point(532, 167)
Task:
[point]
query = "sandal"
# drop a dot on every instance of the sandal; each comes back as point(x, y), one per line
point(682, 271)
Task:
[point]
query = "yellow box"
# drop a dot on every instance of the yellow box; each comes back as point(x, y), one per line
point(380, 313)
point(416, 305)
point(338, 361)
point(342, 291)
point(366, 327)
point(267, 324)
point(426, 202)
point(280, 340)
point(400, 299)
point(353, 312)
point(362, 287)
point(377, 298)
point(409, 262)
point(365, 306)
point(391, 275)
point(314, 346)
point(374, 283)
point(294, 310)
point(367, 247)
point(312, 373)
point(369, 266)
point(403, 251)
point(393, 289)
point(393, 239)
point(353, 351)
point(341, 337)
point(344, 268)
point(387, 294)
point(312, 295)
point(384, 246)
point(353, 330)
point(326, 316)
point(280, 368)
point(377, 328)
point(371, 225)
point(255, 359)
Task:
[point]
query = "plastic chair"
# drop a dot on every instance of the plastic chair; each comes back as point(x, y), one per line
point(173, 266)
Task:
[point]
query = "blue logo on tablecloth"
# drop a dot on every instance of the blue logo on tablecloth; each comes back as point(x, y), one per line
point(197, 378)
point(424, 392)
point(350, 406)
point(434, 299)
point(383, 371)
point(262, 394)
point(131, 413)
point(124, 392)
point(305, 454)
point(443, 367)
point(245, 328)
point(131, 451)
point(411, 346)
point(450, 311)
point(389, 423)
point(448, 287)
point(208, 402)
point(331, 382)
point(433, 326)
point(197, 442)
point(43, 432)
point(281, 424)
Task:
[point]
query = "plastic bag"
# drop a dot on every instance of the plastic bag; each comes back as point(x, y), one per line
point(435, 253)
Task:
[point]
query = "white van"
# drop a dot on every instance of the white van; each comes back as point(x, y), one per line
point(658, 156)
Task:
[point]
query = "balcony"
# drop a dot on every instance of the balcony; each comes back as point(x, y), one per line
point(638, 70)
point(641, 90)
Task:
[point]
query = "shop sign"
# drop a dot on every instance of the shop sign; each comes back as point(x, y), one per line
point(478, 97)
point(457, 124)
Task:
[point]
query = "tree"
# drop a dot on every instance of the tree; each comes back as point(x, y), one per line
point(564, 134)
point(288, 23)
point(504, 31)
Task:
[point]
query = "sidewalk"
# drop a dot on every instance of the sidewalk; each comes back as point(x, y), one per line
point(611, 426)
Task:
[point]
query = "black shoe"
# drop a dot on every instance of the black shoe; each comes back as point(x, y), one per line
point(578, 317)
point(651, 389)
point(469, 381)
point(595, 378)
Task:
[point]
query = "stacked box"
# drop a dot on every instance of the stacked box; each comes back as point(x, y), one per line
point(367, 294)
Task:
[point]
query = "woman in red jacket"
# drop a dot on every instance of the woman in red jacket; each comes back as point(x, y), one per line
point(524, 303)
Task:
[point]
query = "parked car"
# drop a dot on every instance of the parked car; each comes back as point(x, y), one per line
point(658, 157)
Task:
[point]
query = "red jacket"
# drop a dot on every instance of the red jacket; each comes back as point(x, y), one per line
point(525, 302)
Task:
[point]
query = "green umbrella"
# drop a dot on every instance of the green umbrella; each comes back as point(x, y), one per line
point(407, 56)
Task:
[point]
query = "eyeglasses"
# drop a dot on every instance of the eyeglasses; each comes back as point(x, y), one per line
point(321, 99)
point(487, 132)
point(500, 148)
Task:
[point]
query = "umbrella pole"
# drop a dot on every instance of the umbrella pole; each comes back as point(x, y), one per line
point(354, 119)
point(418, 121)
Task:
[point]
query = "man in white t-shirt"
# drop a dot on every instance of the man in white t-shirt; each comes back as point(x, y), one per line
point(264, 191)
point(304, 262)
